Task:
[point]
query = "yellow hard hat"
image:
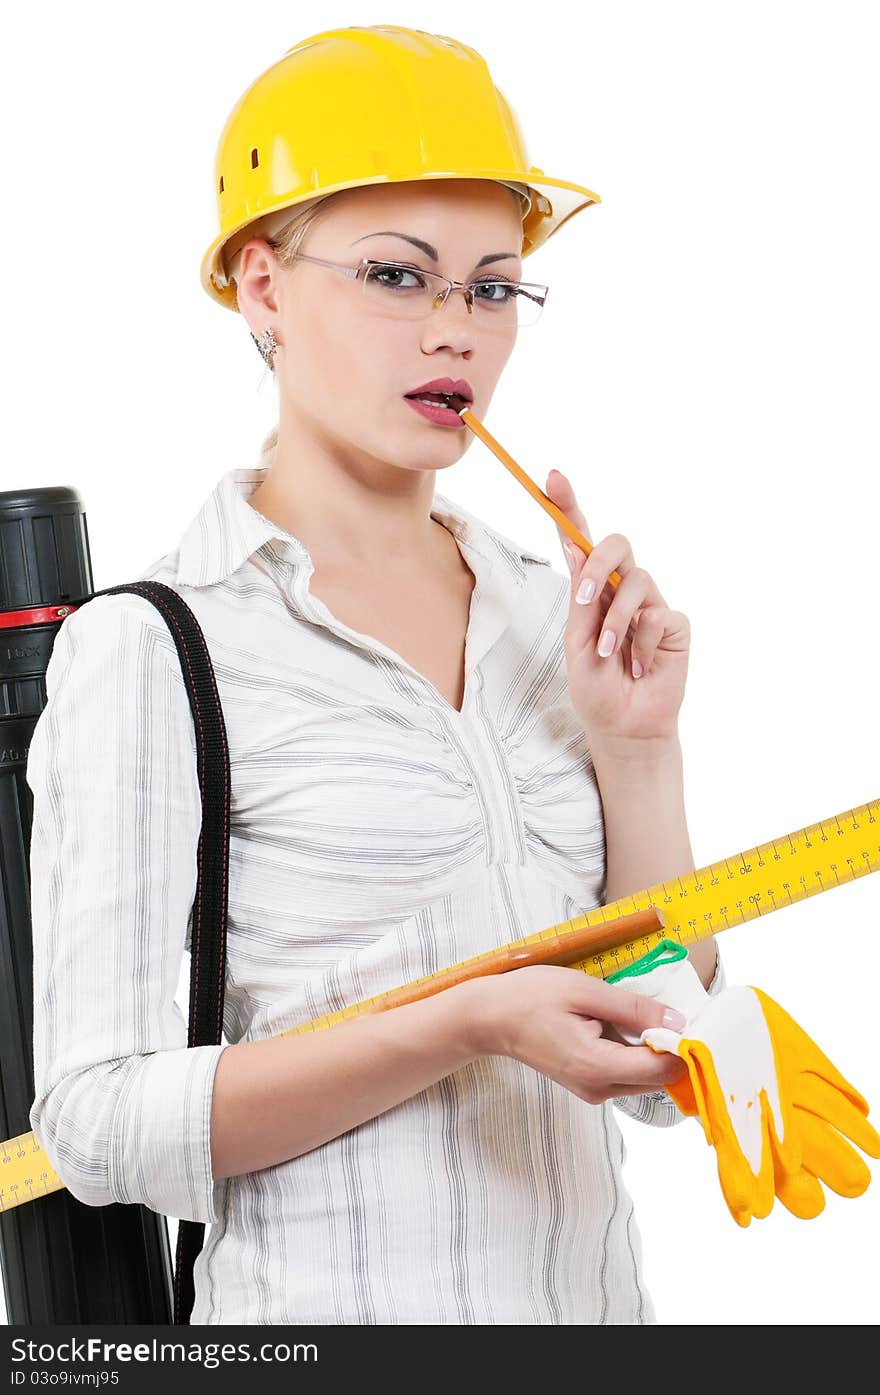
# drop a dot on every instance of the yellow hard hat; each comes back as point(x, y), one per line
point(370, 104)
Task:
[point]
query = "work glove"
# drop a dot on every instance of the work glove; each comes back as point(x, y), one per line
point(774, 1107)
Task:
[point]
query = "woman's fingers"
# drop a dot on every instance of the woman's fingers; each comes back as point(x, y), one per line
point(618, 615)
point(596, 998)
point(586, 619)
point(559, 489)
point(636, 1066)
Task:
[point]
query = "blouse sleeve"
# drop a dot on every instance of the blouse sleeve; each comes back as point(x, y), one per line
point(656, 1106)
point(122, 1105)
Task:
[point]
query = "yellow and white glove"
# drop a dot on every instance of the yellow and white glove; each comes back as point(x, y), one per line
point(771, 1103)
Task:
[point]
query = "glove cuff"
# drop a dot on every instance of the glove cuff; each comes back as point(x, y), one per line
point(667, 975)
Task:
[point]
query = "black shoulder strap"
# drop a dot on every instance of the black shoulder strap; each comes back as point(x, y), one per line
point(208, 952)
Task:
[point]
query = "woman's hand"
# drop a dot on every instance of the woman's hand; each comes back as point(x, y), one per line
point(552, 1018)
point(617, 709)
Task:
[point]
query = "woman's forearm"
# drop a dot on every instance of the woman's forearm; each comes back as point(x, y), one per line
point(646, 832)
point(278, 1098)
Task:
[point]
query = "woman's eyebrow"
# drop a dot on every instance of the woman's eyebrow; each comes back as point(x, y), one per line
point(432, 251)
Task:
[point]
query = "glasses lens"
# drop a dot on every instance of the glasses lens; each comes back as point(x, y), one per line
point(403, 292)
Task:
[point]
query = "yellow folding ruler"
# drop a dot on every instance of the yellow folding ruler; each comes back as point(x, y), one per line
point(688, 908)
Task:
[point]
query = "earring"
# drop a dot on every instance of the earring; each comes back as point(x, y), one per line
point(266, 345)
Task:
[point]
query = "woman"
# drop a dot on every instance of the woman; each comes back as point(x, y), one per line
point(430, 757)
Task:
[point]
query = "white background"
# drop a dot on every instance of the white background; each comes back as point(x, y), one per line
point(706, 370)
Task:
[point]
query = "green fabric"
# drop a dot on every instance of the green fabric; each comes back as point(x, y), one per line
point(666, 952)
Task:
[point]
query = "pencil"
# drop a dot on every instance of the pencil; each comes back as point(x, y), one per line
point(547, 504)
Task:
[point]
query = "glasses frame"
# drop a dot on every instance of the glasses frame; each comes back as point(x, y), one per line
point(359, 273)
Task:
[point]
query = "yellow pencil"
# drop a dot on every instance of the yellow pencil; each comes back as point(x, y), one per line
point(555, 512)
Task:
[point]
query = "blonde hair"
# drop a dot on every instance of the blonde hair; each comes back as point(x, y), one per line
point(287, 241)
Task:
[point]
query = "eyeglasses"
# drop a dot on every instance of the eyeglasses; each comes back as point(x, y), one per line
point(501, 304)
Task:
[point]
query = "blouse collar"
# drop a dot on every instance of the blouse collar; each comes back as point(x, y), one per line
point(227, 531)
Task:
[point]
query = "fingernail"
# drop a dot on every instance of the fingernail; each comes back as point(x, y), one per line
point(585, 591)
point(569, 555)
point(637, 669)
point(674, 1020)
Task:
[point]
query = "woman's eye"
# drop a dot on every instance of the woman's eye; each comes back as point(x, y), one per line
point(504, 286)
point(391, 276)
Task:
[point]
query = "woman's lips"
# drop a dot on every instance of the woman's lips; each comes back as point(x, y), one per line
point(443, 416)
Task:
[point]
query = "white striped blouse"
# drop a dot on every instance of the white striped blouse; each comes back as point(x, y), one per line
point(377, 835)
